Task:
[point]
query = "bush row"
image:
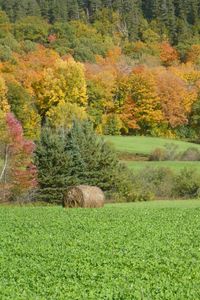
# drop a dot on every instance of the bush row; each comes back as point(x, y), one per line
point(148, 184)
point(170, 152)
point(162, 183)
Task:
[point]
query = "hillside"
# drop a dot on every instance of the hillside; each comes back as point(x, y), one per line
point(135, 152)
point(129, 68)
point(177, 18)
point(145, 145)
point(175, 166)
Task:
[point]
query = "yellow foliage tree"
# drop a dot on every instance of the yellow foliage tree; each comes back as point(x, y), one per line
point(4, 106)
point(188, 73)
point(193, 54)
point(65, 83)
point(62, 115)
point(31, 123)
point(3, 128)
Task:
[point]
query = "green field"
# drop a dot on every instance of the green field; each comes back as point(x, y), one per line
point(123, 251)
point(145, 145)
point(176, 166)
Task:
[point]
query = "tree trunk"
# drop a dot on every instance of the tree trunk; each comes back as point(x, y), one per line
point(5, 163)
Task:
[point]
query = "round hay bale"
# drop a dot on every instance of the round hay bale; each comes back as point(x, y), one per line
point(84, 196)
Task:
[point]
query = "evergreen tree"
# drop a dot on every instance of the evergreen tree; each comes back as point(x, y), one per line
point(33, 8)
point(52, 160)
point(58, 10)
point(171, 20)
point(20, 9)
point(7, 6)
point(94, 161)
point(94, 6)
point(73, 9)
point(44, 8)
point(131, 12)
point(79, 157)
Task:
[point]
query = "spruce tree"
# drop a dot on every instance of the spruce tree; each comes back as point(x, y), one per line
point(44, 8)
point(33, 8)
point(79, 157)
point(7, 6)
point(73, 9)
point(94, 161)
point(51, 160)
point(58, 11)
point(20, 9)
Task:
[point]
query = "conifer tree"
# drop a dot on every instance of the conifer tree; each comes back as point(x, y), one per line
point(52, 160)
point(79, 157)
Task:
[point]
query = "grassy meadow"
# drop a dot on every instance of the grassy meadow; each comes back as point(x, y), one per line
point(175, 166)
point(144, 146)
point(123, 251)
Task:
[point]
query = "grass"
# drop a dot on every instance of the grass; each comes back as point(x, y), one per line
point(173, 165)
point(145, 145)
point(124, 251)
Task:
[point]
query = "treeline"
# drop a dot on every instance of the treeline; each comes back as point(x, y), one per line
point(60, 159)
point(141, 87)
point(177, 19)
point(41, 87)
point(100, 67)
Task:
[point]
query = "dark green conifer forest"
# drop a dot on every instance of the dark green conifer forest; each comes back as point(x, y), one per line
point(177, 18)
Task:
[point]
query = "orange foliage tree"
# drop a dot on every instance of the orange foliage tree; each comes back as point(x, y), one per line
point(176, 98)
point(168, 55)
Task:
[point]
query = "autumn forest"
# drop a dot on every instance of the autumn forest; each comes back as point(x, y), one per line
point(129, 67)
point(99, 149)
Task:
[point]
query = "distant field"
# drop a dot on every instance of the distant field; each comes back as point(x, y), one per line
point(123, 251)
point(145, 145)
point(176, 166)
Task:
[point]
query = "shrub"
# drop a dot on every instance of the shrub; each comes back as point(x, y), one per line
point(112, 125)
point(152, 183)
point(169, 152)
point(162, 183)
point(157, 155)
point(191, 154)
point(187, 184)
point(28, 46)
point(185, 132)
point(5, 53)
point(50, 195)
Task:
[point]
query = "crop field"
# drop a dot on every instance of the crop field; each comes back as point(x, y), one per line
point(123, 251)
point(145, 145)
point(175, 166)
